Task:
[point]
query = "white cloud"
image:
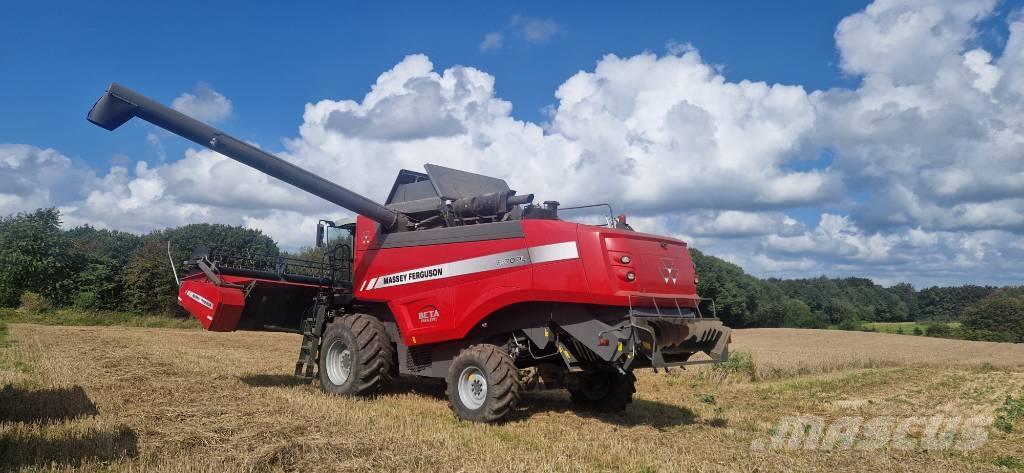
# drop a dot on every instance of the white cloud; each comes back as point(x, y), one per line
point(525, 29)
point(492, 40)
point(32, 177)
point(936, 129)
point(535, 30)
point(203, 104)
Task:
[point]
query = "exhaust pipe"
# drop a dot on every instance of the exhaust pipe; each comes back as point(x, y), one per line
point(119, 104)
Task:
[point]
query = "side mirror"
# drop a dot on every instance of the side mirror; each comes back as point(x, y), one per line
point(320, 235)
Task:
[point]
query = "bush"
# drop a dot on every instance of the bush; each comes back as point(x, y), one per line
point(33, 303)
point(33, 256)
point(917, 330)
point(739, 363)
point(997, 318)
point(939, 331)
point(1009, 413)
point(86, 301)
point(797, 314)
point(850, 324)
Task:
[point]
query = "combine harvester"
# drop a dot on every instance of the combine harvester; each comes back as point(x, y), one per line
point(456, 276)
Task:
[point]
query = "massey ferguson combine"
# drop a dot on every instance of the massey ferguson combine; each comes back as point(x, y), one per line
point(456, 276)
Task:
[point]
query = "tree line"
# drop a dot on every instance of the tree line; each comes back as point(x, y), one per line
point(742, 300)
point(98, 269)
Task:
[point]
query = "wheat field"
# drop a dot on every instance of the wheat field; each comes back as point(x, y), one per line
point(136, 399)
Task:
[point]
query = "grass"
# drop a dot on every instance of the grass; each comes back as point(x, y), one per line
point(1009, 413)
point(72, 317)
point(131, 399)
point(906, 327)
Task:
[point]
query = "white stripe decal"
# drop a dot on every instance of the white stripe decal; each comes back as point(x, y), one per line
point(507, 259)
point(363, 285)
point(554, 252)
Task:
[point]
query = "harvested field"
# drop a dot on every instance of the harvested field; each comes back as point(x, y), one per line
point(115, 398)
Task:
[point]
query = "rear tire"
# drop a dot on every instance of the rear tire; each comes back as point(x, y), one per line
point(355, 356)
point(603, 391)
point(483, 384)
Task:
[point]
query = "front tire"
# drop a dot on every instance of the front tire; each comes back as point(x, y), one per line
point(355, 356)
point(483, 384)
point(603, 391)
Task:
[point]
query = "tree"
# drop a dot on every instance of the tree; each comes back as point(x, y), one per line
point(948, 303)
point(34, 257)
point(231, 238)
point(797, 314)
point(839, 311)
point(101, 258)
point(939, 330)
point(906, 293)
point(149, 282)
point(741, 300)
point(998, 318)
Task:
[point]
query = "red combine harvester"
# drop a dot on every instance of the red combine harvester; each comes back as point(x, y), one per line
point(456, 276)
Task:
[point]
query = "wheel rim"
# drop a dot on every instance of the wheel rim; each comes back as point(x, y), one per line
point(472, 387)
point(339, 362)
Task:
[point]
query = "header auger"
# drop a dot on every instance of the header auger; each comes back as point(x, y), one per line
point(455, 276)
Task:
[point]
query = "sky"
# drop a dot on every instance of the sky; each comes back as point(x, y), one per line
point(879, 139)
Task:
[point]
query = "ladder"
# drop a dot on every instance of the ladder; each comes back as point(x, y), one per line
point(309, 351)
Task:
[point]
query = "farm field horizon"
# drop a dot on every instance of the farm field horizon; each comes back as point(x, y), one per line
point(122, 399)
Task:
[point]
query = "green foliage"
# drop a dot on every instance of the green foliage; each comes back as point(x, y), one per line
point(33, 303)
point(850, 325)
point(1009, 462)
point(798, 315)
point(1009, 413)
point(847, 299)
point(75, 317)
point(917, 330)
point(998, 318)
point(948, 303)
point(102, 270)
point(33, 256)
point(149, 282)
point(739, 363)
point(940, 330)
point(99, 258)
point(236, 239)
point(738, 296)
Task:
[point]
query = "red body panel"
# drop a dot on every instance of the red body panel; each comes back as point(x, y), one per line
point(217, 308)
point(440, 292)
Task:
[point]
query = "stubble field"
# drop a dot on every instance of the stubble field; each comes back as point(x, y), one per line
point(130, 399)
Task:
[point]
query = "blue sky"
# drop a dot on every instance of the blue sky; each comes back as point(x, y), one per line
point(794, 138)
